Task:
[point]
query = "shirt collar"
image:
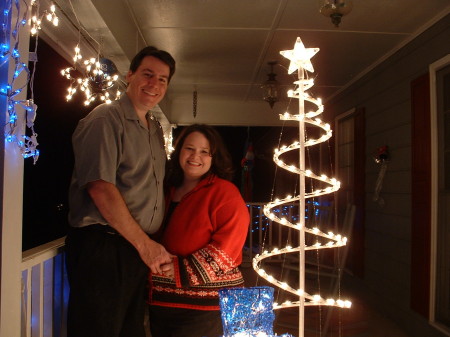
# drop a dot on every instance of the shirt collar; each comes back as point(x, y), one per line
point(126, 103)
point(131, 114)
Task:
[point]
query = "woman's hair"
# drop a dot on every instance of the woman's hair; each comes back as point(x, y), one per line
point(221, 164)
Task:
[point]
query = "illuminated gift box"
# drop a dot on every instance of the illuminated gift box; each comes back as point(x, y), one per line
point(247, 311)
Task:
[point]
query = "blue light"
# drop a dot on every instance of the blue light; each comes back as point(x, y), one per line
point(247, 310)
point(34, 154)
point(10, 56)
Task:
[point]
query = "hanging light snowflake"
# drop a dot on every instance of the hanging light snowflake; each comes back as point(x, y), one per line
point(99, 79)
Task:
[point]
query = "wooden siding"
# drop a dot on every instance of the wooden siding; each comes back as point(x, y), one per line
point(391, 235)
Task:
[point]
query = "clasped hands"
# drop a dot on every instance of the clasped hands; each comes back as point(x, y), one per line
point(168, 269)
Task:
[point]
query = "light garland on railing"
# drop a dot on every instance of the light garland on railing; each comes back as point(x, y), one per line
point(9, 52)
point(300, 59)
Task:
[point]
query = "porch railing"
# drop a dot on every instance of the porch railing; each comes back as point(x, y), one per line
point(44, 282)
point(44, 291)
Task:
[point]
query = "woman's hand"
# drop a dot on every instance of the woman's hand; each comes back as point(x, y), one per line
point(168, 269)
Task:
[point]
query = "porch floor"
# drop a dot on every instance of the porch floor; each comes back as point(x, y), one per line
point(361, 320)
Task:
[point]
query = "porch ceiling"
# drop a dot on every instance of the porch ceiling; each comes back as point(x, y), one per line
point(222, 47)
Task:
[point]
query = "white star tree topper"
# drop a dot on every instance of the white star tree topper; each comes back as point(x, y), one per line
point(300, 56)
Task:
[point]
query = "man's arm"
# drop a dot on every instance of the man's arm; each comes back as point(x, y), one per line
point(111, 205)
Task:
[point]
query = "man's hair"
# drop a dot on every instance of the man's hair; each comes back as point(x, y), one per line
point(221, 163)
point(155, 52)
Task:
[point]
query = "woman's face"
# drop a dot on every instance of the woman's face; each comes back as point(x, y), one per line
point(195, 156)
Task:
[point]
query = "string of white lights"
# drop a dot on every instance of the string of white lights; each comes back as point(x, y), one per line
point(168, 142)
point(36, 17)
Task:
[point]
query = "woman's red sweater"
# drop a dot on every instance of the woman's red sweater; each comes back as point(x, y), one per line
point(206, 231)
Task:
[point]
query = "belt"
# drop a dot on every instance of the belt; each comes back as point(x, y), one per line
point(98, 228)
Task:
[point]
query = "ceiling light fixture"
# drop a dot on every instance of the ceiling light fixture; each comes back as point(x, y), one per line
point(335, 9)
point(271, 86)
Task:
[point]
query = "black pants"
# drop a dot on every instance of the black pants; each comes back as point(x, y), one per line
point(179, 322)
point(107, 281)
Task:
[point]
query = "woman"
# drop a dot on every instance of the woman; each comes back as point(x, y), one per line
point(205, 228)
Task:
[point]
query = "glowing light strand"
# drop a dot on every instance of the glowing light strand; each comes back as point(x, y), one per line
point(299, 57)
point(9, 54)
point(36, 17)
point(168, 142)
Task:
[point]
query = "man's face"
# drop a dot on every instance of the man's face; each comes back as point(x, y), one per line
point(148, 84)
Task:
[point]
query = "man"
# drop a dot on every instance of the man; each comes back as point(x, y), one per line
point(116, 200)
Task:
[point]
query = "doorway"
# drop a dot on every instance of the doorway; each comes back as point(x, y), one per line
point(440, 111)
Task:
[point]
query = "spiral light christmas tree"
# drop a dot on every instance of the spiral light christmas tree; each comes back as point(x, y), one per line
point(300, 60)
